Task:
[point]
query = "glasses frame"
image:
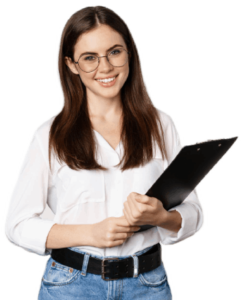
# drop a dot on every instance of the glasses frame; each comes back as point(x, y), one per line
point(98, 57)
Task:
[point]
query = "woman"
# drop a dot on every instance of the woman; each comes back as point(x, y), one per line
point(92, 164)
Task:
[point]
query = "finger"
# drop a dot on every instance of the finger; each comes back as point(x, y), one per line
point(134, 207)
point(123, 220)
point(126, 214)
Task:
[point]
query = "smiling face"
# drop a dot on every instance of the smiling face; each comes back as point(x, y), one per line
point(99, 40)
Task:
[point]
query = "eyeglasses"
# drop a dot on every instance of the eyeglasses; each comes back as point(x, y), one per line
point(117, 57)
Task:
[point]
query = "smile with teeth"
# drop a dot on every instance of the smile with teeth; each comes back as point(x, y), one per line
point(106, 80)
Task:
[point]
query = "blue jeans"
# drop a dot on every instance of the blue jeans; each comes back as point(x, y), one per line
point(58, 283)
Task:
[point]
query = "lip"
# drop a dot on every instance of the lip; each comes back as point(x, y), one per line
point(108, 84)
point(107, 77)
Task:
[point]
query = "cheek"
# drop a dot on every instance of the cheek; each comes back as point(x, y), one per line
point(126, 72)
point(86, 79)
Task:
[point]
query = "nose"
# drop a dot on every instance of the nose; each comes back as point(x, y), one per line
point(104, 64)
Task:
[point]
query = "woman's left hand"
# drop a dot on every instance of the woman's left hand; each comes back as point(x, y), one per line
point(143, 210)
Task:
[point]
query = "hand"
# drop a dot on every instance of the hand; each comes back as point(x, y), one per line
point(111, 232)
point(143, 210)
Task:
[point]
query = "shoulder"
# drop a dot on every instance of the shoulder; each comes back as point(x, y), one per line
point(165, 118)
point(171, 136)
point(41, 134)
point(42, 131)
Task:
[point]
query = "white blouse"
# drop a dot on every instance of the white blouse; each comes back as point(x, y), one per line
point(90, 196)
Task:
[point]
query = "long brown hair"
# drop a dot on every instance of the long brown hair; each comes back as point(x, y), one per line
point(71, 134)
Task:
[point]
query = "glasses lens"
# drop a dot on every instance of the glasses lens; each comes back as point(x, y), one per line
point(117, 58)
point(88, 62)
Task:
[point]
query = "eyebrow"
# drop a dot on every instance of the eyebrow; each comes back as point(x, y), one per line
point(109, 49)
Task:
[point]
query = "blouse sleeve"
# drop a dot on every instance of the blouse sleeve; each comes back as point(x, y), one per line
point(190, 209)
point(24, 227)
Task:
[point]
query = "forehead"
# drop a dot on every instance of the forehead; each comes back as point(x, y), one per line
point(98, 40)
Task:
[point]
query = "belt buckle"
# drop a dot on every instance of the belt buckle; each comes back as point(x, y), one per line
point(103, 273)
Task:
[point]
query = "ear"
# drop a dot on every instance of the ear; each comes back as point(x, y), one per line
point(71, 65)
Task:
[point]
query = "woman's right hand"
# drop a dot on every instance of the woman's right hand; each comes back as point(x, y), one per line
point(111, 232)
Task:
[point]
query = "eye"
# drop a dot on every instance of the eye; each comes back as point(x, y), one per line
point(115, 50)
point(86, 58)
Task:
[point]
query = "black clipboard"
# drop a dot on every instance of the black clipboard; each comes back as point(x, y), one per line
point(187, 169)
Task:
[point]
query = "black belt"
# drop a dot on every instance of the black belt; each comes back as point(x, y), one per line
point(119, 268)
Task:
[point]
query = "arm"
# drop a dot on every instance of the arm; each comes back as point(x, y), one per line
point(24, 227)
point(191, 215)
point(64, 236)
point(172, 221)
point(176, 228)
